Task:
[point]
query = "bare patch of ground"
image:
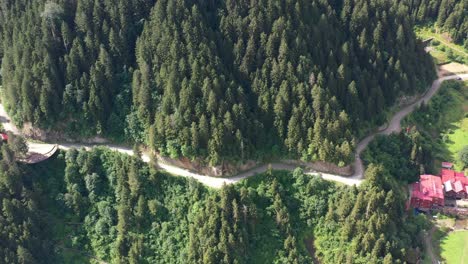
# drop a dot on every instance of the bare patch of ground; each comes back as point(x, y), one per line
point(461, 224)
point(447, 37)
point(452, 68)
point(309, 243)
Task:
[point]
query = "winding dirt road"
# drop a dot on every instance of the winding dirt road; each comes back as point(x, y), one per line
point(393, 126)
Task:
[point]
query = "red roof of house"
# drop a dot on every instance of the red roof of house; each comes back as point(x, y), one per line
point(458, 186)
point(447, 175)
point(4, 136)
point(428, 187)
point(458, 181)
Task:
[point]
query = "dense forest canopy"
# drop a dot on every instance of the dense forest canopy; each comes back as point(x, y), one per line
point(24, 236)
point(117, 209)
point(220, 80)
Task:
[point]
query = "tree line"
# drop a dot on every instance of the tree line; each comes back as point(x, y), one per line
point(215, 80)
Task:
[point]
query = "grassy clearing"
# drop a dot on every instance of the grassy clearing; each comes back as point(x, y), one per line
point(444, 51)
point(457, 121)
point(455, 247)
point(459, 137)
point(440, 57)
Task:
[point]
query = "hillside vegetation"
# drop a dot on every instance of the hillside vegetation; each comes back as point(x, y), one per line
point(219, 80)
point(444, 120)
point(112, 207)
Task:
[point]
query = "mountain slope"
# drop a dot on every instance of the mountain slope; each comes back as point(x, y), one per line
point(225, 80)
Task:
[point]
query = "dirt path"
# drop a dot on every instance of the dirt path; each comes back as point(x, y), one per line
point(393, 126)
point(309, 243)
point(428, 245)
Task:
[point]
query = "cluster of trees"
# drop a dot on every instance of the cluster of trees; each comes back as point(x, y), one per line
point(220, 80)
point(118, 209)
point(24, 233)
point(450, 15)
point(405, 156)
point(369, 224)
point(67, 64)
point(235, 79)
point(463, 157)
point(122, 211)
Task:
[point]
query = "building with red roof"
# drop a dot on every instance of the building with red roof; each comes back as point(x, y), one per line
point(455, 184)
point(427, 193)
point(430, 191)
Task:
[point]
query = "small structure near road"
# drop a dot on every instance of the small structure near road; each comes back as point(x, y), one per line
point(427, 41)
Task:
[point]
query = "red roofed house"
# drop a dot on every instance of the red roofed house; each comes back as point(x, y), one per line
point(427, 193)
point(4, 137)
point(455, 184)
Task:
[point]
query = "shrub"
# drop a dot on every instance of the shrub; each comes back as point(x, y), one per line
point(463, 156)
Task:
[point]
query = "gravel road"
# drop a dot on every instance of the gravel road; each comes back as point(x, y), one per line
point(393, 126)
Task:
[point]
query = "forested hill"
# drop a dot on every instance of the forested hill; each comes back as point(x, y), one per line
point(67, 62)
point(213, 79)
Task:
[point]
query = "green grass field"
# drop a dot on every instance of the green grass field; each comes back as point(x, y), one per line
point(455, 248)
point(459, 137)
point(439, 56)
point(457, 117)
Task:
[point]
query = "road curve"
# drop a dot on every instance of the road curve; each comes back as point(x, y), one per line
point(393, 126)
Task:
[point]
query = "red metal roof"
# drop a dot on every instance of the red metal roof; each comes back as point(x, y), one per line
point(457, 180)
point(447, 175)
point(458, 186)
point(428, 187)
point(4, 136)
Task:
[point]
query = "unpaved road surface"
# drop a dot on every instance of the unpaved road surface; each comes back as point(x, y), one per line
point(428, 245)
point(393, 126)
